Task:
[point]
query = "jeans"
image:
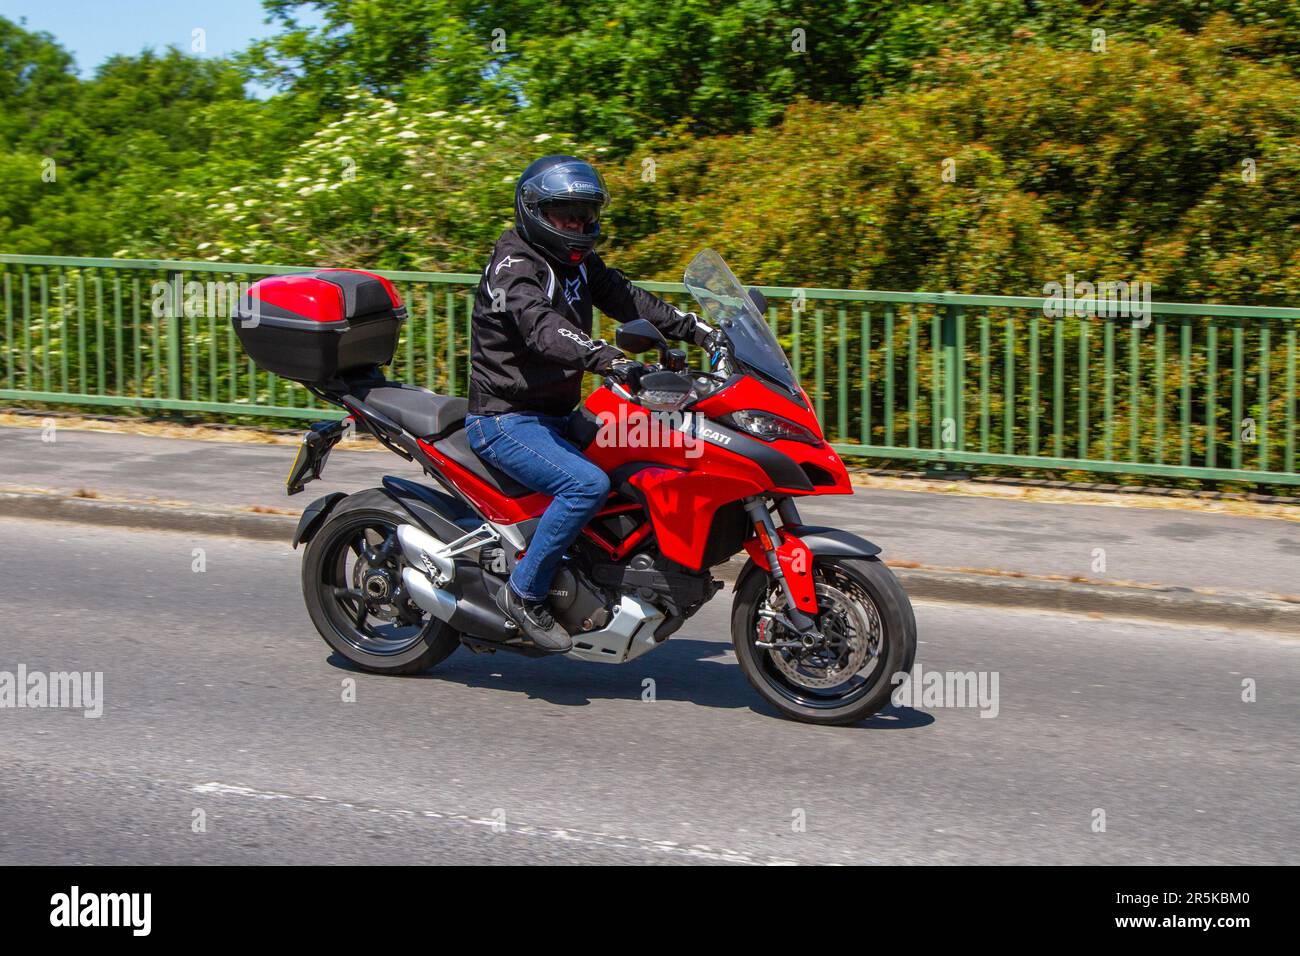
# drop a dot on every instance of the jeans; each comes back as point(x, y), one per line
point(531, 449)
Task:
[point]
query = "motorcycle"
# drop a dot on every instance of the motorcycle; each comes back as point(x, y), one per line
point(703, 465)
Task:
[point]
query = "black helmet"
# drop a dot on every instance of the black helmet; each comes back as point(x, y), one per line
point(554, 181)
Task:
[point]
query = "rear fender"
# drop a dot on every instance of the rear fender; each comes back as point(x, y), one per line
point(314, 516)
point(440, 514)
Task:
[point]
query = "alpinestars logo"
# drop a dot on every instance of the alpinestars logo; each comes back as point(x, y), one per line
point(506, 263)
point(581, 339)
point(573, 289)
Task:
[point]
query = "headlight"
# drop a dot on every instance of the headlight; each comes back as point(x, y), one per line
point(771, 427)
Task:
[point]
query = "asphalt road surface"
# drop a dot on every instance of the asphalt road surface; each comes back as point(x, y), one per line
point(225, 737)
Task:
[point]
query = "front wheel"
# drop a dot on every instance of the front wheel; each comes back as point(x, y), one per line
point(869, 634)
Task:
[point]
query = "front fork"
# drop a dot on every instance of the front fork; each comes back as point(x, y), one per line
point(788, 561)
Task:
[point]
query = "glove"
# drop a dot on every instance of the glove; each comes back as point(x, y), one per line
point(714, 344)
point(701, 331)
point(626, 372)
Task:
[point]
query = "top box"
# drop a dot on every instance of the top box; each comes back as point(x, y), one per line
point(314, 326)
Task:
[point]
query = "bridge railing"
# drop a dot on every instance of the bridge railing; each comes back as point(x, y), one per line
point(1175, 389)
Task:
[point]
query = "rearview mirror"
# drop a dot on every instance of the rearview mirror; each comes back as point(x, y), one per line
point(638, 336)
point(759, 300)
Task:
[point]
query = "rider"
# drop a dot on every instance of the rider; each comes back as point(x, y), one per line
point(530, 344)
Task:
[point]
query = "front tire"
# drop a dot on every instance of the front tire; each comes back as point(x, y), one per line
point(871, 635)
point(351, 584)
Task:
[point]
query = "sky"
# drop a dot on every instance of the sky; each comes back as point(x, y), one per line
point(93, 30)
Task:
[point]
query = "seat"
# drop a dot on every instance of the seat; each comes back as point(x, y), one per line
point(421, 412)
point(456, 447)
point(439, 419)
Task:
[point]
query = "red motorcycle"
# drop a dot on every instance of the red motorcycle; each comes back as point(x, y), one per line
point(702, 465)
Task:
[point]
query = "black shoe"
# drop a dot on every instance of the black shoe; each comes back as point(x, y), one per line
point(535, 620)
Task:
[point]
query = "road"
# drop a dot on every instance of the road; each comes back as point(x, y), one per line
point(219, 697)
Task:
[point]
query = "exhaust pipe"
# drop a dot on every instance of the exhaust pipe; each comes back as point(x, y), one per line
point(473, 611)
point(441, 604)
point(423, 550)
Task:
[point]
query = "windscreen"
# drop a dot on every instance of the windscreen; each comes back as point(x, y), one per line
point(725, 301)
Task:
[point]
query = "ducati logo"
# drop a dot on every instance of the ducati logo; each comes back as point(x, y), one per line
point(710, 435)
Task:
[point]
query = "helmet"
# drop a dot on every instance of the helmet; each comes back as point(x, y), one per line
point(556, 182)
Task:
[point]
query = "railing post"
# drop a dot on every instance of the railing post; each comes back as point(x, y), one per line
point(950, 422)
point(176, 278)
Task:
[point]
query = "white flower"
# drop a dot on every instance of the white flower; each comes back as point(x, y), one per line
point(408, 134)
point(478, 143)
point(406, 187)
point(204, 245)
point(541, 137)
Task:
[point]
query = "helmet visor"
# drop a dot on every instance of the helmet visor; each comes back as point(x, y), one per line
point(569, 215)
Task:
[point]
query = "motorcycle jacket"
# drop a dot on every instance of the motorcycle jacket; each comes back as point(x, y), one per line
point(531, 338)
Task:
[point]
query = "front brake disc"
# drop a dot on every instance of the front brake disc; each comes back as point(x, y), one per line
point(852, 633)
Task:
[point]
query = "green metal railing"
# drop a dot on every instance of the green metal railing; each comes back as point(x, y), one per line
point(1202, 391)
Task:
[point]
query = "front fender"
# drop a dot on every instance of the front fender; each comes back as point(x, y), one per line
point(821, 542)
point(826, 542)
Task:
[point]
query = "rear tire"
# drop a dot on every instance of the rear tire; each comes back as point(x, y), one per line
point(866, 606)
point(379, 630)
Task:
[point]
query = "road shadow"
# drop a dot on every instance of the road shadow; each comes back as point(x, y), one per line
point(704, 673)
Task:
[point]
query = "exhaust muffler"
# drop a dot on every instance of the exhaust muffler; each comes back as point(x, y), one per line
point(423, 550)
point(441, 604)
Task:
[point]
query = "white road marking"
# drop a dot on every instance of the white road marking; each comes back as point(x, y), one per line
point(566, 834)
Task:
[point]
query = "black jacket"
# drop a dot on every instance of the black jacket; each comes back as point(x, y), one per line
point(531, 338)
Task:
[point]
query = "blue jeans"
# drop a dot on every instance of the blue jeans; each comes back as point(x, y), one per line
point(531, 449)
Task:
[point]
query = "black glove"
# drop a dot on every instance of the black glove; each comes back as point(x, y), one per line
point(626, 372)
point(701, 331)
point(715, 345)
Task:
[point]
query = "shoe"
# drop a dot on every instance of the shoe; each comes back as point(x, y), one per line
point(535, 620)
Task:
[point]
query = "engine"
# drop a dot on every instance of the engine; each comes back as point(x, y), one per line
point(578, 604)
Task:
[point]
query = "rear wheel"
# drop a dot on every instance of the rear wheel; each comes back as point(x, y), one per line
point(352, 585)
point(869, 634)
